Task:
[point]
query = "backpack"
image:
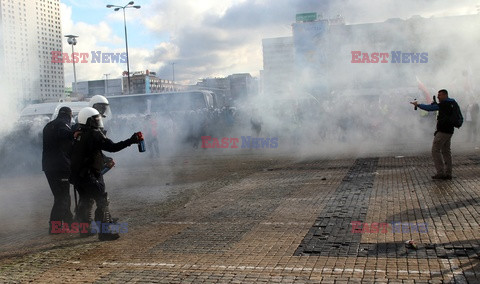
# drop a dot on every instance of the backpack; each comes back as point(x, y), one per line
point(457, 117)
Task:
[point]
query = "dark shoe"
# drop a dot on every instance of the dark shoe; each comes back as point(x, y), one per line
point(447, 177)
point(108, 237)
point(86, 235)
point(88, 232)
point(438, 176)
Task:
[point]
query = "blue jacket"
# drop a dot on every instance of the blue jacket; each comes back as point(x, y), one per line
point(445, 113)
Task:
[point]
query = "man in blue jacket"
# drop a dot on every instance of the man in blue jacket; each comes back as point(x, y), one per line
point(441, 153)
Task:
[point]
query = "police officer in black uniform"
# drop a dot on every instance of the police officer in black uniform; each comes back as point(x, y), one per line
point(57, 147)
point(87, 164)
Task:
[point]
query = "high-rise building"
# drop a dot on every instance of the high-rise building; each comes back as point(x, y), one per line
point(278, 65)
point(29, 31)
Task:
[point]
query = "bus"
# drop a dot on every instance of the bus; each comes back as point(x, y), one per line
point(161, 103)
point(184, 116)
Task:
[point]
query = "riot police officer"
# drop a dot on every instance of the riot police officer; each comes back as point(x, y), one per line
point(57, 146)
point(87, 164)
point(101, 104)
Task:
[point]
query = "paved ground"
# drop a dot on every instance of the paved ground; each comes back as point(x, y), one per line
point(250, 218)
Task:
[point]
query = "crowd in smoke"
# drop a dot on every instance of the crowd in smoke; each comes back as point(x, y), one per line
point(360, 107)
point(307, 124)
point(348, 122)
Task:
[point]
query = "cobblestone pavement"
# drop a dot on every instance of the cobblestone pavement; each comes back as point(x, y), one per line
point(254, 219)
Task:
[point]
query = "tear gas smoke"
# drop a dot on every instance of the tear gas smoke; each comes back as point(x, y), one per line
point(330, 106)
point(333, 106)
point(8, 106)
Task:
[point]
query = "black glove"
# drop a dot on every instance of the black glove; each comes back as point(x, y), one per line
point(134, 139)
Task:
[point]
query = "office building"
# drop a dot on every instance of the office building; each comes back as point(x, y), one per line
point(30, 30)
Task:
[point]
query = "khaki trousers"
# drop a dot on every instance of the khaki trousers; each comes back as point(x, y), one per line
point(441, 154)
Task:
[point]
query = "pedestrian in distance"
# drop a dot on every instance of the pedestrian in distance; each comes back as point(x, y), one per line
point(471, 118)
point(151, 126)
point(57, 147)
point(447, 120)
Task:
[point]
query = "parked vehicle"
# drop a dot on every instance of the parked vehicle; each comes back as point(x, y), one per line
point(188, 115)
point(143, 104)
point(48, 111)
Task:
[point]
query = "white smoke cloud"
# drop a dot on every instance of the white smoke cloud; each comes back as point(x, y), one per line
point(219, 38)
point(8, 107)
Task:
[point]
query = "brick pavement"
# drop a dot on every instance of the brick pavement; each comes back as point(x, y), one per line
point(285, 221)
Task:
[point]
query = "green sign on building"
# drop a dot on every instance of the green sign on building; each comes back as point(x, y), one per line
point(306, 17)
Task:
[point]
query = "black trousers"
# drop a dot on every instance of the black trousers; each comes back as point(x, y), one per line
point(92, 189)
point(60, 187)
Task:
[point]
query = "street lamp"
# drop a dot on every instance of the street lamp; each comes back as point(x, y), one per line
point(129, 5)
point(72, 40)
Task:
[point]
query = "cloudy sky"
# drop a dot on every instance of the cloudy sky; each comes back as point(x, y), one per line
point(211, 38)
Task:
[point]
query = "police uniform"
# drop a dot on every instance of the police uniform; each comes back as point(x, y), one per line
point(57, 146)
point(87, 164)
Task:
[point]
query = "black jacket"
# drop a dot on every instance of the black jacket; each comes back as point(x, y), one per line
point(57, 145)
point(444, 118)
point(87, 156)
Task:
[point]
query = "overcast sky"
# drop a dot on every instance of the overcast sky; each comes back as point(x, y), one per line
point(211, 38)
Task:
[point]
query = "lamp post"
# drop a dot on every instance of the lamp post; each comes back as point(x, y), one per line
point(72, 40)
point(129, 5)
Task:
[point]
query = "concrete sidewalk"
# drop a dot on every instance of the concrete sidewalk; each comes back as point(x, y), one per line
point(288, 222)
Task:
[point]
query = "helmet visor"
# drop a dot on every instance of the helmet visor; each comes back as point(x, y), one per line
point(103, 109)
point(96, 121)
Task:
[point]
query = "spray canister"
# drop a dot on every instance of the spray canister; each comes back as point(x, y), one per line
point(141, 143)
point(108, 165)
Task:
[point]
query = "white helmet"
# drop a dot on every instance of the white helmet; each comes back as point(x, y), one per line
point(101, 104)
point(90, 117)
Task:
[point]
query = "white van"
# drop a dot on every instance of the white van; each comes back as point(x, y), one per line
point(48, 111)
